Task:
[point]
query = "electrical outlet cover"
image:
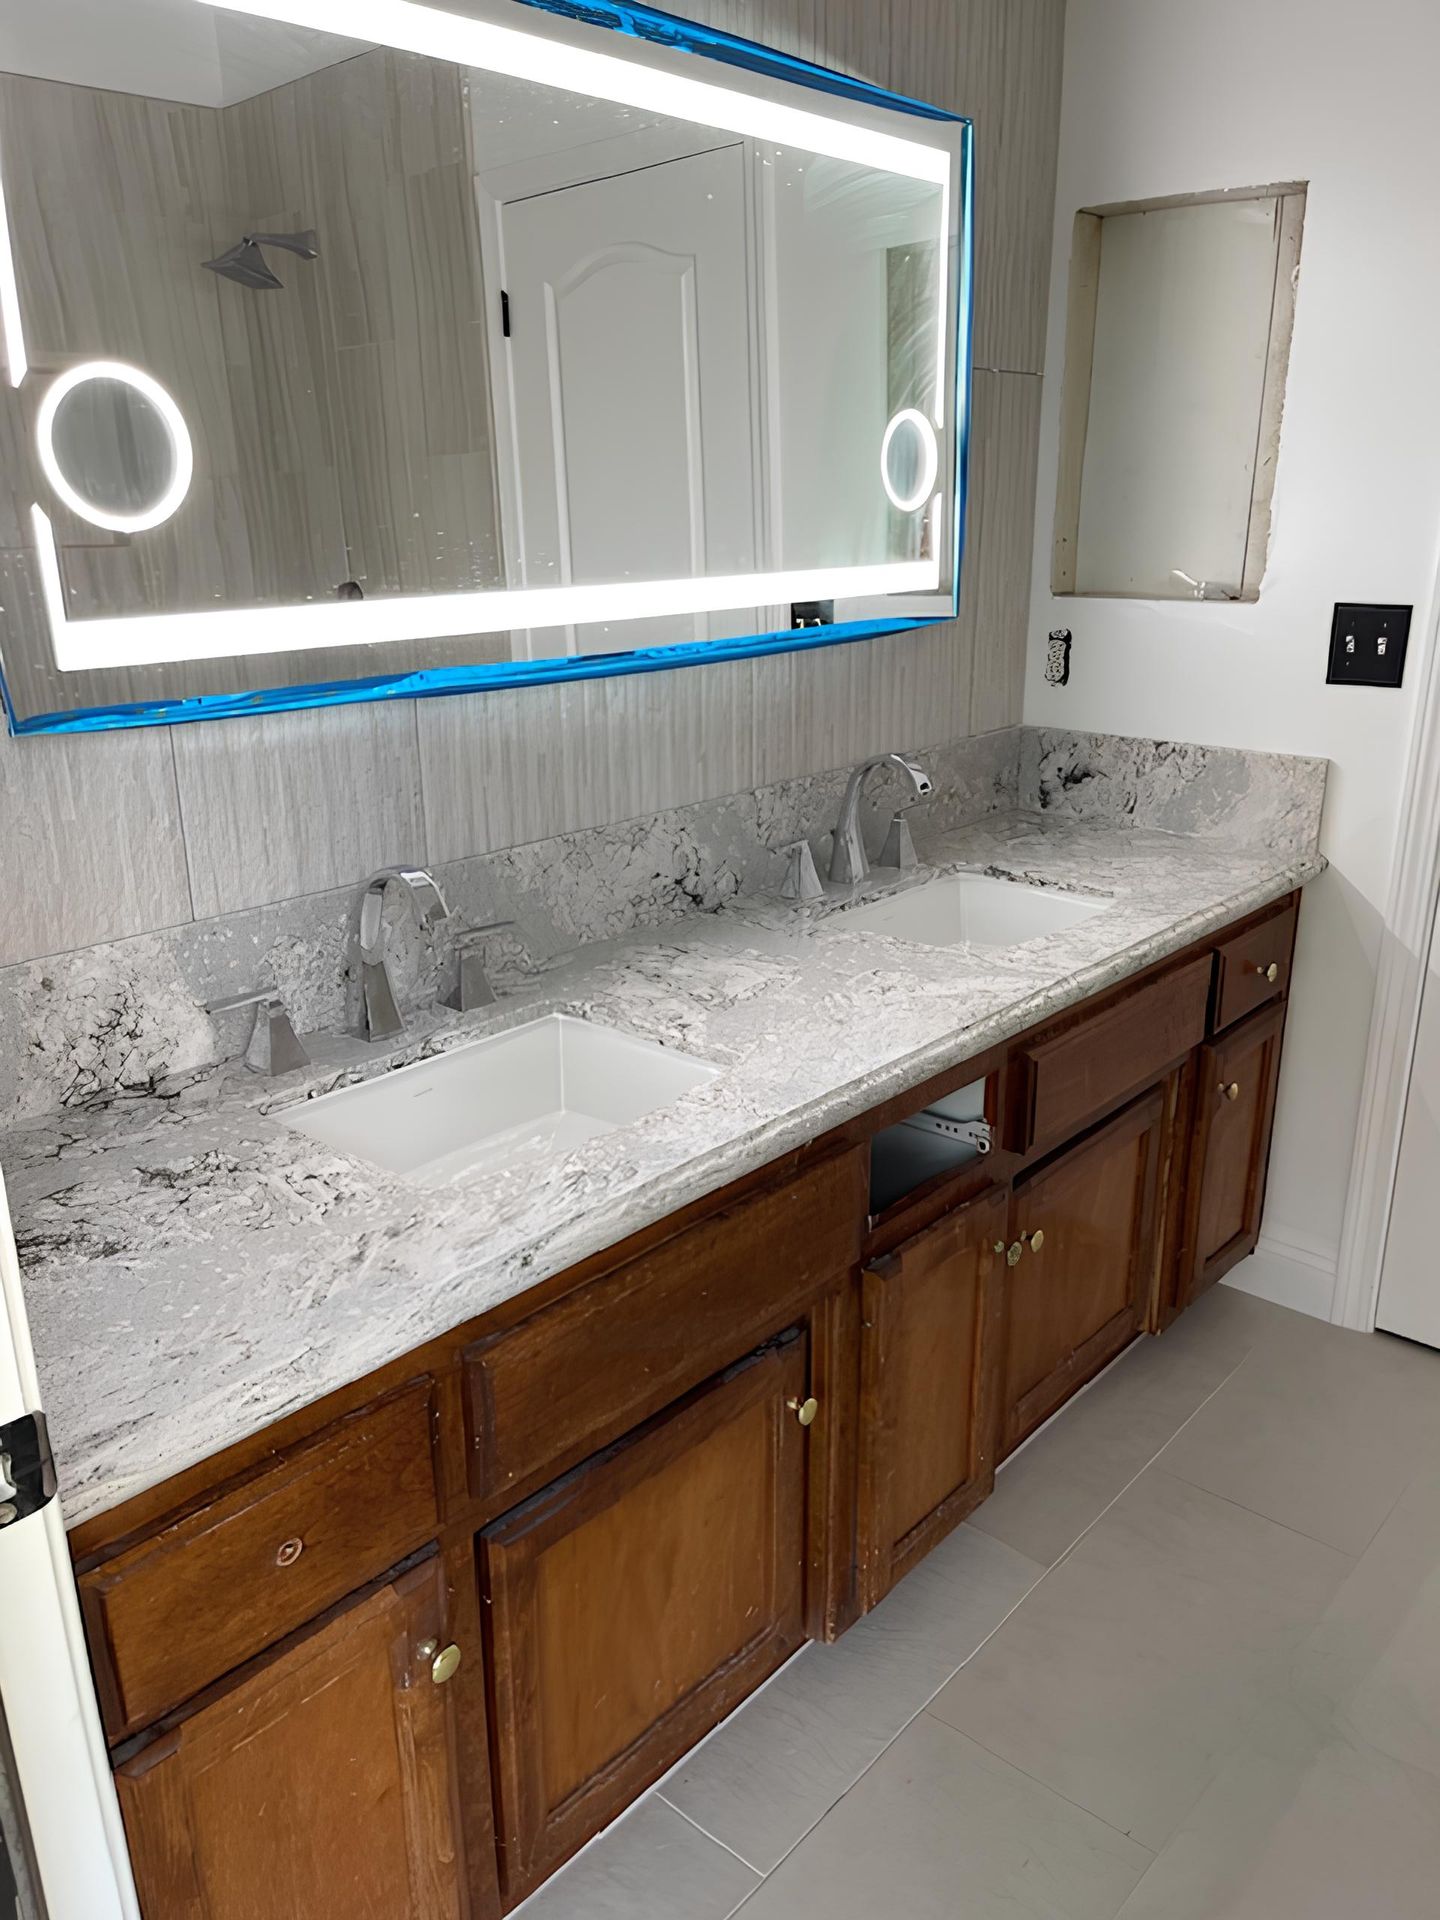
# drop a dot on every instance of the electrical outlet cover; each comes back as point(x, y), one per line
point(1367, 645)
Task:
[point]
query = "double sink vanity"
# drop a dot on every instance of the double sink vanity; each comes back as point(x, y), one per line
point(453, 1432)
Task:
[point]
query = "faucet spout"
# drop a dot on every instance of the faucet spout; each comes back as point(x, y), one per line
point(380, 1016)
point(849, 862)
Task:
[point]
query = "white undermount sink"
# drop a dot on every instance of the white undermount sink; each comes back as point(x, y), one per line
point(973, 908)
point(522, 1096)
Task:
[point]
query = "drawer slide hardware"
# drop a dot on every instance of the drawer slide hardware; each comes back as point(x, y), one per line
point(27, 1468)
point(976, 1134)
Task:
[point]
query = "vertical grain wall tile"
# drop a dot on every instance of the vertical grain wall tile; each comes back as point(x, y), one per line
point(91, 848)
point(1006, 448)
point(525, 764)
point(290, 803)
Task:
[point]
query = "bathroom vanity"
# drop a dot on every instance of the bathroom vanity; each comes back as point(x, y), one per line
point(442, 1624)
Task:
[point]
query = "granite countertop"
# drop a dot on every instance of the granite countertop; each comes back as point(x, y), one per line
point(194, 1270)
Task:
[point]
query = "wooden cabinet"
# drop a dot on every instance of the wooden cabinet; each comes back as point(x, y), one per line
point(638, 1600)
point(1235, 1109)
point(1080, 1285)
point(607, 1485)
point(321, 1785)
point(930, 1357)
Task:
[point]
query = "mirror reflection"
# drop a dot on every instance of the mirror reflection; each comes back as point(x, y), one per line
point(434, 330)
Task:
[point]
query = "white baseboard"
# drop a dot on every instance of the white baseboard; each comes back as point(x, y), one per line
point(1290, 1272)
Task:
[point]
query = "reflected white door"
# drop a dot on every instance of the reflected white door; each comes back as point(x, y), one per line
point(63, 1848)
point(635, 427)
point(1410, 1280)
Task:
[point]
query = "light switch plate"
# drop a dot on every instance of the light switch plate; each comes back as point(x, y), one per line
point(1367, 645)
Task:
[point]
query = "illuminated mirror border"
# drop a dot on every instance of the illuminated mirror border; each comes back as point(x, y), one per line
point(147, 639)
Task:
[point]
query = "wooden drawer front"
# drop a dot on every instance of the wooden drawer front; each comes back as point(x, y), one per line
point(193, 1602)
point(634, 1603)
point(1101, 1061)
point(1244, 965)
point(580, 1373)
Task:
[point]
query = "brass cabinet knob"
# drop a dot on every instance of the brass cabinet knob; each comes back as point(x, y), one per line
point(1270, 973)
point(1013, 1253)
point(289, 1551)
point(1035, 1240)
point(1232, 1092)
point(804, 1410)
point(442, 1667)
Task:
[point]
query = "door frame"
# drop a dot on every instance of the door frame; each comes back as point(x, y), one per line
point(63, 1770)
point(501, 187)
point(1410, 919)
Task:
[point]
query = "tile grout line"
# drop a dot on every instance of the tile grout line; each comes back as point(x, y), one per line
point(925, 1708)
point(750, 1865)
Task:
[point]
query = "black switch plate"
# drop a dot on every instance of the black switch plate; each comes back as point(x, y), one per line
point(1367, 645)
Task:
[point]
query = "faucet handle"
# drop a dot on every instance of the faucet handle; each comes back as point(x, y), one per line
point(472, 987)
point(899, 849)
point(802, 880)
point(274, 1047)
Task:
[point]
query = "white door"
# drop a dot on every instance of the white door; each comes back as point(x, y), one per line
point(635, 417)
point(1410, 1279)
point(62, 1847)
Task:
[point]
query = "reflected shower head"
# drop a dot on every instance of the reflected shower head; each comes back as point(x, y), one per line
point(246, 264)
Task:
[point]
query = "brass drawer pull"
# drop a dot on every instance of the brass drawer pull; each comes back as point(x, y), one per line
point(289, 1551)
point(443, 1666)
point(1035, 1240)
point(1232, 1092)
point(1270, 973)
point(804, 1410)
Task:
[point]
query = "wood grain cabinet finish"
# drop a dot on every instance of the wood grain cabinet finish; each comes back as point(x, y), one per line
point(929, 1370)
point(1236, 1079)
point(576, 1375)
point(1080, 1289)
point(321, 1786)
point(188, 1604)
point(637, 1601)
point(1065, 1080)
point(1252, 967)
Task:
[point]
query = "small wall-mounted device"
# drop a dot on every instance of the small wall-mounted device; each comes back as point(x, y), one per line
point(812, 613)
point(1057, 657)
point(1368, 644)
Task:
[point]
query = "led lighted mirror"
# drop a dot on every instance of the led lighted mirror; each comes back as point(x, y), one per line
point(512, 343)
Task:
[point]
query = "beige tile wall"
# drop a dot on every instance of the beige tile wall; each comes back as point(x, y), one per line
point(95, 830)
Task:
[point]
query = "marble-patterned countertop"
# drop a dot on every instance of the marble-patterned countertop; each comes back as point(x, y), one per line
point(194, 1270)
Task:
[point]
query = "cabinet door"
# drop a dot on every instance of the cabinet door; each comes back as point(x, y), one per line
point(929, 1372)
point(1235, 1110)
point(637, 1601)
point(1080, 1288)
point(322, 1785)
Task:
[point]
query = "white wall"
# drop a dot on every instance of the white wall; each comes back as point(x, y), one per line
point(1171, 96)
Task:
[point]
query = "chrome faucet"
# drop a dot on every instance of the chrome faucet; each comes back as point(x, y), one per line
point(849, 862)
point(379, 1015)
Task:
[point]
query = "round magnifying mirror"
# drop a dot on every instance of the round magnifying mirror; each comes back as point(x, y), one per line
point(114, 446)
point(909, 460)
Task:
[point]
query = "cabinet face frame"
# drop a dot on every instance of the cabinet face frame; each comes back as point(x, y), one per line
point(537, 1835)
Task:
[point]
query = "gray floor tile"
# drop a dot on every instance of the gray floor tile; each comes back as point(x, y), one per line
point(1373, 1662)
point(652, 1866)
point(1302, 1824)
point(1320, 1430)
point(764, 1780)
point(939, 1829)
point(1131, 1671)
point(1060, 1484)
